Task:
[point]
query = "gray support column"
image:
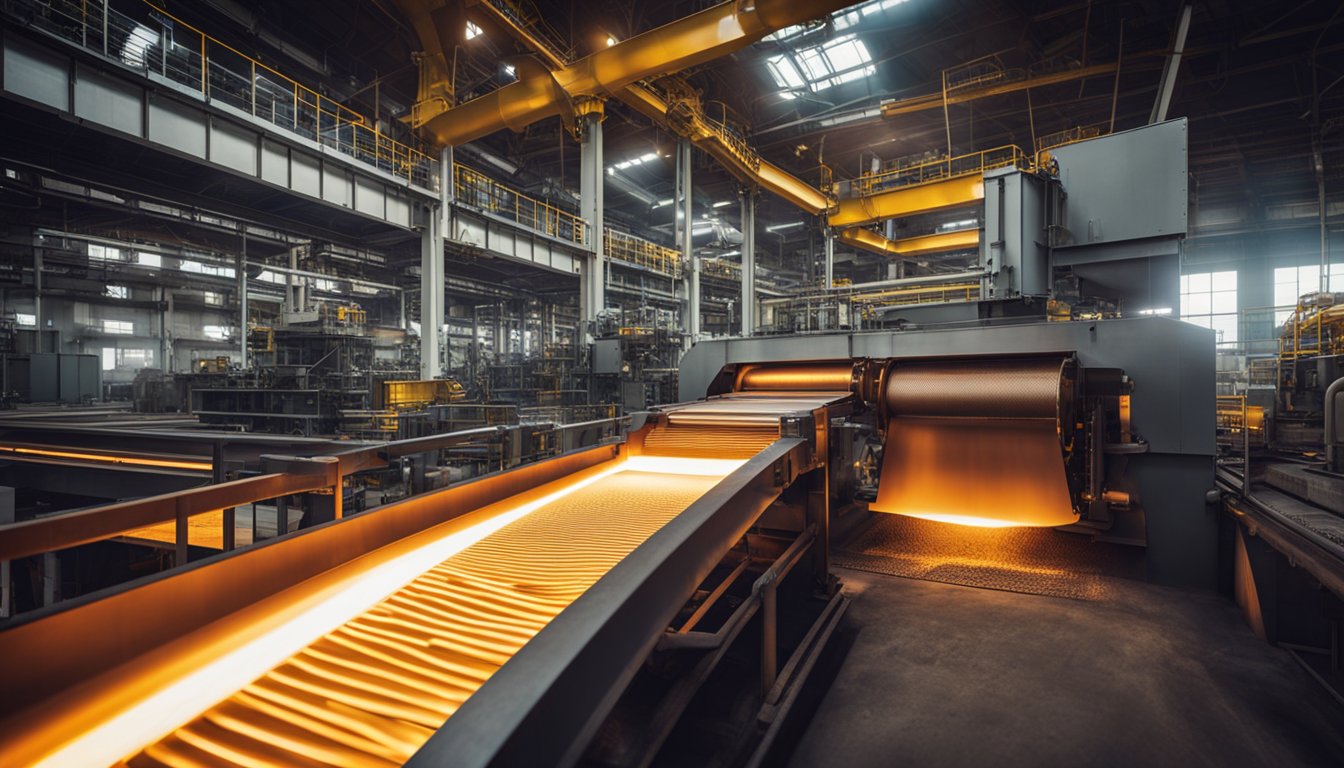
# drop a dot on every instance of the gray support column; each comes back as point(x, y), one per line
point(829, 279)
point(1167, 84)
point(683, 215)
point(748, 262)
point(242, 304)
point(37, 291)
point(592, 178)
point(432, 271)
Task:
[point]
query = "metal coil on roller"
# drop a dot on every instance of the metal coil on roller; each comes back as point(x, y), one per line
point(832, 376)
point(1032, 388)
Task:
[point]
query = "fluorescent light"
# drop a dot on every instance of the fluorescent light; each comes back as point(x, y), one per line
point(722, 203)
point(781, 227)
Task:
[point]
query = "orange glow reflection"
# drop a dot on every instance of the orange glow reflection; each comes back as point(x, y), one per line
point(976, 522)
point(107, 458)
point(362, 668)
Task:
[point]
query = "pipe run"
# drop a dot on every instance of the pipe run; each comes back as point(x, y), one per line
point(1332, 452)
point(953, 277)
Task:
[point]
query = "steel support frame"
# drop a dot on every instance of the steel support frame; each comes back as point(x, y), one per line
point(683, 224)
point(553, 694)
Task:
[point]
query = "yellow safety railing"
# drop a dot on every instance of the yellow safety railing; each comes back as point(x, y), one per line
point(640, 252)
point(1233, 416)
point(1068, 136)
point(474, 188)
point(1316, 327)
point(941, 169)
point(728, 270)
point(144, 36)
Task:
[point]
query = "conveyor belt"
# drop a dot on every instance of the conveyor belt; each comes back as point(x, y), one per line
point(369, 687)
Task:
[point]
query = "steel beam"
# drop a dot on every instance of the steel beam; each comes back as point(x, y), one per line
point(910, 246)
point(906, 201)
point(1167, 84)
point(684, 217)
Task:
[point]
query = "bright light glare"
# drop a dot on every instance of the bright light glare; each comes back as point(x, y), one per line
point(473, 31)
point(182, 699)
point(977, 522)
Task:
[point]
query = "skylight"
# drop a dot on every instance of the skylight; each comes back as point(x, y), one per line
point(642, 159)
point(473, 30)
point(840, 21)
point(818, 67)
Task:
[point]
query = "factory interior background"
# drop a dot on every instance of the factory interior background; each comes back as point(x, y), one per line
point(630, 383)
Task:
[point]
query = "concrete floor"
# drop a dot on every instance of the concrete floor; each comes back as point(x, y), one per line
point(933, 674)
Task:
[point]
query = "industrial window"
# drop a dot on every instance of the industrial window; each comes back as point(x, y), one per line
point(149, 259)
point(190, 265)
point(819, 67)
point(841, 20)
point(1292, 282)
point(109, 358)
point(104, 253)
point(1209, 300)
point(473, 31)
point(213, 299)
point(267, 276)
point(117, 292)
point(135, 358)
point(217, 332)
point(25, 319)
point(123, 327)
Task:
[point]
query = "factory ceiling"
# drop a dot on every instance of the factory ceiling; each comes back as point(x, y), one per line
point(1261, 82)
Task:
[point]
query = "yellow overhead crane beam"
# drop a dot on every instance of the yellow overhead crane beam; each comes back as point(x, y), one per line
point(687, 42)
point(907, 247)
point(905, 201)
point(936, 100)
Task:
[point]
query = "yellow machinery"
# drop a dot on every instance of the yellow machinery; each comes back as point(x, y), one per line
point(405, 395)
point(1315, 328)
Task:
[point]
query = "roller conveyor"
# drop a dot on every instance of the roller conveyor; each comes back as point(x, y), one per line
point(373, 690)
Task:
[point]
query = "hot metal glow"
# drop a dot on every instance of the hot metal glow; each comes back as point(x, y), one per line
point(977, 522)
point(364, 670)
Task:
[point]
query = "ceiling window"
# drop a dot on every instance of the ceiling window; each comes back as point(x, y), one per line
point(473, 30)
point(842, 20)
point(1209, 300)
point(819, 67)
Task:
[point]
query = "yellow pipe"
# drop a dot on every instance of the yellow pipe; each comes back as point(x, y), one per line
point(871, 241)
point(692, 40)
point(905, 201)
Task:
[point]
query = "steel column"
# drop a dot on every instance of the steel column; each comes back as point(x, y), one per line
point(1168, 82)
point(748, 262)
point(242, 302)
point(432, 271)
point(592, 179)
point(830, 258)
point(682, 225)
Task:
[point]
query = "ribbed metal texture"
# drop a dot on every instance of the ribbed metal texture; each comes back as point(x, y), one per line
point(710, 442)
point(796, 377)
point(372, 691)
point(1012, 389)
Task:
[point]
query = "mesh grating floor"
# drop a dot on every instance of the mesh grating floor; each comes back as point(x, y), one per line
point(1038, 561)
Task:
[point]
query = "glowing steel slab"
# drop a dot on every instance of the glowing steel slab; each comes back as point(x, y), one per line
point(363, 672)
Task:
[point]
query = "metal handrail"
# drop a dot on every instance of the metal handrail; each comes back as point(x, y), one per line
point(147, 38)
point(637, 251)
point(942, 169)
point(474, 188)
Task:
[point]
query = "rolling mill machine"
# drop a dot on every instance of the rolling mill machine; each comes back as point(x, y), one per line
point(573, 610)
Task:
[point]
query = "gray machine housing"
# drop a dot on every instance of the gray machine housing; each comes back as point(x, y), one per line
point(1170, 362)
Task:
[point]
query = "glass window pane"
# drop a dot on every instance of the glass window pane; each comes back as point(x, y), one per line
point(1224, 301)
point(1201, 321)
point(1285, 295)
point(1185, 283)
point(1224, 281)
point(1198, 304)
point(1200, 282)
point(1226, 326)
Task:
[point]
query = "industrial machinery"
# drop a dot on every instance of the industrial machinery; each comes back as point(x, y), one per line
point(476, 625)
